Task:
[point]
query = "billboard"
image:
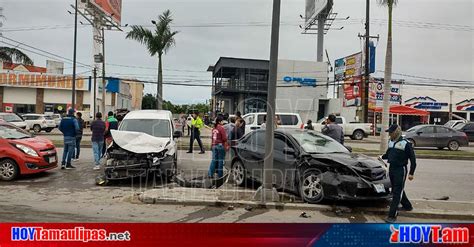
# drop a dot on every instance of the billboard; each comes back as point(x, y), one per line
point(314, 8)
point(348, 67)
point(376, 94)
point(352, 94)
point(111, 8)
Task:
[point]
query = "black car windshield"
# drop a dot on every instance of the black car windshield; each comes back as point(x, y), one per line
point(10, 132)
point(154, 127)
point(312, 142)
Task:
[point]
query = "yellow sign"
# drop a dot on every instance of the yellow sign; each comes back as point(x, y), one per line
point(35, 80)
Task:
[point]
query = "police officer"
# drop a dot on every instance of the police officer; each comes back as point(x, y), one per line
point(398, 153)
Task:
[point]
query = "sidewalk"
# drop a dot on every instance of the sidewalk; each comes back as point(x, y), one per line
point(228, 197)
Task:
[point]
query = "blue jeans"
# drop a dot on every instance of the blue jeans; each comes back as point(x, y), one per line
point(218, 157)
point(78, 147)
point(97, 149)
point(69, 146)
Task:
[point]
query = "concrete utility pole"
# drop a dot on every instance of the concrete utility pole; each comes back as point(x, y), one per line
point(451, 104)
point(94, 107)
point(74, 57)
point(266, 191)
point(320, 44)
point(365, 83)
point(104, 82)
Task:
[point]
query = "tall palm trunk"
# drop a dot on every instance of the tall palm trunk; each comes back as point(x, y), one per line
point(387, 85)
point(159, 86)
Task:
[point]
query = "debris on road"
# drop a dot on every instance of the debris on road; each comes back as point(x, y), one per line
point(443, 198)
point(230, 208)
point(305, 215)
point(249, 208)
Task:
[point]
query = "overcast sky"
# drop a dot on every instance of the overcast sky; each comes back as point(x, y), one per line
point(432, 38)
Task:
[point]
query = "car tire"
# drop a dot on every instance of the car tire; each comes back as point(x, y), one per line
point(238, 173)
point(8, 170)
point(413, 144)
point(453, 145)
point(358, 135)
point(48, 130)
point(36, 128)
point(310, 186)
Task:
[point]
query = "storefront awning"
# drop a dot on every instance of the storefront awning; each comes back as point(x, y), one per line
point(405, 110)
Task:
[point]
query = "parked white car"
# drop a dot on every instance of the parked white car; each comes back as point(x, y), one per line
point(14, 119)
point(356, 131)
point(39, 122)
point(253, 121)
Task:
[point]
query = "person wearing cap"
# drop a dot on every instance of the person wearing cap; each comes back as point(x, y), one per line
point(398, 153)
point(196, 126)
point(69, 127)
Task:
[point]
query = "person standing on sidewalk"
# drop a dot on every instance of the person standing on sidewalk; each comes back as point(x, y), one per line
point(238, 115)
point(79, 133)
point(398, 153)
point(196, 126)
point(229, 127)
point(69, 127)
point(98, 130)
point(333, 130)
point(219, 140)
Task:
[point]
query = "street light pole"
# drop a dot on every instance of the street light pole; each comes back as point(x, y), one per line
point(74, 57)
point(266, 191)
point(365, 104)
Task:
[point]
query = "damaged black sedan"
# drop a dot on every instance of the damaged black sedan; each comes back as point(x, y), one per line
point(312, 165)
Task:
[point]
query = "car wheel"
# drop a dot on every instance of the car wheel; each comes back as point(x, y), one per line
point(8, 170)
point(358, 135)
point(413, 144)
point(453, 145)
point(238, 173)
point(36, 128)
point(49, 130)
point(311, 187)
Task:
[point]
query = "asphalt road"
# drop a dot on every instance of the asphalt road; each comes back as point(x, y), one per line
point(71, 195)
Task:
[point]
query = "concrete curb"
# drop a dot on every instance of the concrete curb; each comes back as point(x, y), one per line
point(148, 197)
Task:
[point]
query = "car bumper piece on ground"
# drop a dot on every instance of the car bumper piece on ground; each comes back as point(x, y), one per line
point(346, 187)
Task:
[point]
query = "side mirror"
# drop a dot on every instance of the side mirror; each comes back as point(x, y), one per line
point(289, 151)
point(419, 132)
point(177, 134)
point(348, 148)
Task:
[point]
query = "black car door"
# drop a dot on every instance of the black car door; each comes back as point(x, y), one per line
point(251, 152)
point(284, 160)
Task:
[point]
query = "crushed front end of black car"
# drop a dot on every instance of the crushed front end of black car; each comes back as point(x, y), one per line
point(353, 177)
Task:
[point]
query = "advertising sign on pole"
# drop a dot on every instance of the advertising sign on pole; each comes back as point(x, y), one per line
point(352, 94)
point(314, 8)
point(112, 8)
point(376, 94)
point(348, 67)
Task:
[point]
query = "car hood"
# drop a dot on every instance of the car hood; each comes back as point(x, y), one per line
point(352, 160)
point(142, 143)
point(37, 143)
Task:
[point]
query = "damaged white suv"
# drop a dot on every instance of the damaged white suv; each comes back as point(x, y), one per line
point(144, 144)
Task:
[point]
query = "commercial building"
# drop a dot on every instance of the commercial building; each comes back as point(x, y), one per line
point(32, 89)
point(241, 84)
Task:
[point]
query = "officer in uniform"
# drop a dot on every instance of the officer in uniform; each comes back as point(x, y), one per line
point(398, 153)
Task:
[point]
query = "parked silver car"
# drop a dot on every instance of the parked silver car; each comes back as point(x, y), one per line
point(436, 136)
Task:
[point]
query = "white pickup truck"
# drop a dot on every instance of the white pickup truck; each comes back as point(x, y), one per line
point(356, 131)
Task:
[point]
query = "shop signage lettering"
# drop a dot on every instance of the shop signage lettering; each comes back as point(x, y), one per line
point(34, 80)
point(302, 81)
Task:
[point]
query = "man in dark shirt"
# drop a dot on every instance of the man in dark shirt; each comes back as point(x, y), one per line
point(98, 131)
point(69, 128)
point(238, 115)
point(79, 133)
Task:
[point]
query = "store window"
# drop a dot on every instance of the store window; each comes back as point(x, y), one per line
point(24, 108)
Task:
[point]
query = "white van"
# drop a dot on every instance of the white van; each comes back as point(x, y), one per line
point(253, 121)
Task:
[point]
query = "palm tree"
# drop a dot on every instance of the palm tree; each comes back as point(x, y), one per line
point(8, 54)
point(388, 76)
point(158, 42)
